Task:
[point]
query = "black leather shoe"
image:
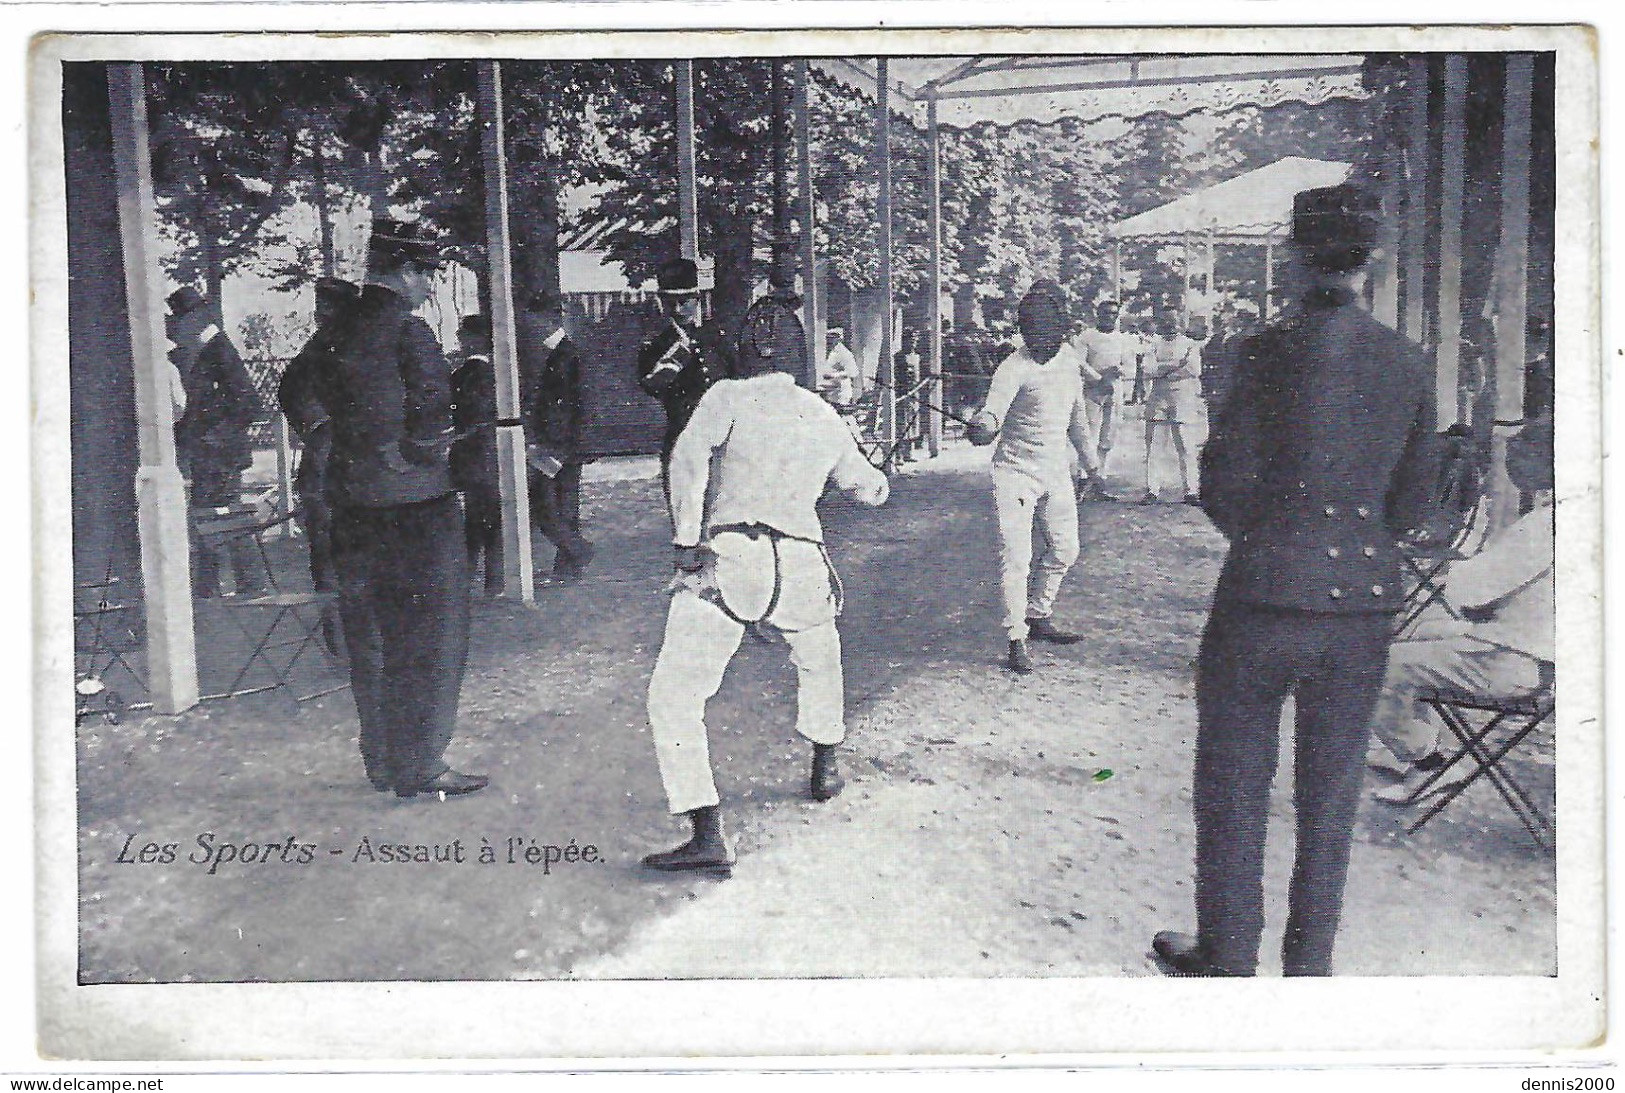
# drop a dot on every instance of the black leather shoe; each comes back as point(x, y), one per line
point(1046, 630)
point(450, 782)
point(696, 855)
point(1181, 954)
point(1019, 661)
point(827, 782)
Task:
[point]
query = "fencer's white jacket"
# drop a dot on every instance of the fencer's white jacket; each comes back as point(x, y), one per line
point(1039, 412)
point(764, 449)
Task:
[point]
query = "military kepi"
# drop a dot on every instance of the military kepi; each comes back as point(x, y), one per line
point(1336, 217)
point(678, 277)
point(408, 240)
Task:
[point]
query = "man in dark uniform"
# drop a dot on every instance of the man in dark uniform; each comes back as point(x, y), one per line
point(474, 454)
point(680, 363)
point(1318, 462)
point(307, 417)
point(397, 527)
point(211, 437)
point(551, 408)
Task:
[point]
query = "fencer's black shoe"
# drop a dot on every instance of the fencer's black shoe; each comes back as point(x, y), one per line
point(706, 851)
point(450, 782)
point(1019, 661)
point(1181, 954)
point(1046, 630)
point(827, 782)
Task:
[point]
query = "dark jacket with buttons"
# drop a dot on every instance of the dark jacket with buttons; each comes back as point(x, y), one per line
point(387, 391)
point(679, 375)
point(1319, 460)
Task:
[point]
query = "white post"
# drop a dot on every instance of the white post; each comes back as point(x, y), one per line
point(811, 290)
point(513, 477)
point(1452, 185)
point(160, 494)
point(1414, 258)
point(688, 210)
point(933, 428)
point(1511, 300)
point(284, 476)
point(887, 369)
point(1269, 281)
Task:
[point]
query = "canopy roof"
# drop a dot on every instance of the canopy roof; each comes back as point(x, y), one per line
point(1046, 88)
point(1256, 205)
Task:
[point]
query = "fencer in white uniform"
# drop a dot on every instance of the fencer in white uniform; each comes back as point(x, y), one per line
point(746, 476)
point(1035, 410)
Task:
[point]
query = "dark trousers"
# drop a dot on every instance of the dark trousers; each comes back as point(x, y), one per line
point(403, 597)
point(1251, 659)
point(555, 509)
point(482, 532)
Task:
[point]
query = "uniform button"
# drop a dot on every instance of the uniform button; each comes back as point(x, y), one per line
point(1376, 590)
point(1336, 593)
point(1331, 510)
point(1362, 512)
point(1333, 552)
point(1369, 552)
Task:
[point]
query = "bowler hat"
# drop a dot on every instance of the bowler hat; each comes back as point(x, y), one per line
point(678, 277)
point(1343, 217)
point(185, 300)
point(407, 241)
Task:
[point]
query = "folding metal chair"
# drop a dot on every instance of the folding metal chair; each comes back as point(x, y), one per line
point(285, 620)
point(1487, 729)
point(105, 635)
point(1426, 555)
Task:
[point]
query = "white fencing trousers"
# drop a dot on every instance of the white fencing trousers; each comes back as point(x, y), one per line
point(1100, 418)
point(1024, 501)
point(700, 641)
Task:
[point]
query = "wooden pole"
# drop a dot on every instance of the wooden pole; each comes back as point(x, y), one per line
point(513, 476)
point(160, 494)
point(1117, 271)
point(284, 475)
point(887, 369)
point(1269, 281)
point(1452, 185)
point(1385, 267)
point(933, 426)
point(812, 321)
point(688, 209)
point(1511, 300)
point(1414, 256)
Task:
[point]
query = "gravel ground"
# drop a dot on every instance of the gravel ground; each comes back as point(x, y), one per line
point(991, 826)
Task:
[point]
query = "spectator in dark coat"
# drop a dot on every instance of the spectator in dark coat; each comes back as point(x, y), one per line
point(1319, 461)
point(474, 454)
point(552, 408)
point(211, 438)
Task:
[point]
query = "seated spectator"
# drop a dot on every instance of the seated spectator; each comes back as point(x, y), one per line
point(1505, 595)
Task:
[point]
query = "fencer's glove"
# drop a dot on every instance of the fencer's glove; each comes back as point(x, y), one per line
point(980, 432)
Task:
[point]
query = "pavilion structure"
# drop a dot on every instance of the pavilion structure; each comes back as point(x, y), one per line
point(931, 92)
point(1250, 210)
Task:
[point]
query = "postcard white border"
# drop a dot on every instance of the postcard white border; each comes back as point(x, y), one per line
point(1043, 1019)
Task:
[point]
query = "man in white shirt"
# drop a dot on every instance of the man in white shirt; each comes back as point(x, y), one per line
point(746, 476)
point(838, 379)
point(1107, 354)
point(1507, 600)
point(1035, 409)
